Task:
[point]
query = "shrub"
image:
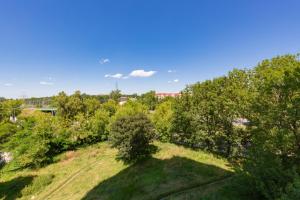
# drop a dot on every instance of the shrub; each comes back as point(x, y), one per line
point(132, 136)
point(37, 184)
point(6, 131)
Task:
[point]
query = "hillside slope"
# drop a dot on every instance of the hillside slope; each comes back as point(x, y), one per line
point(93, 173)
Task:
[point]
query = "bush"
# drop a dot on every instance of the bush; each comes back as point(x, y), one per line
point(7, 130)
point(37, 184)
point(132, 136)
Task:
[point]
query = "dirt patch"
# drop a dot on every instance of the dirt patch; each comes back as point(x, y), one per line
point(69, 156)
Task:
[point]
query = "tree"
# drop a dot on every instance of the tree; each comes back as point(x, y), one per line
point(98, 125)
point(273, 159)
point(205, 112)
point(132, 136)
point(110, 106)
point(115, 95)
point(69, 106)
point(149, 99)
point(182, 129)
point(32, 145)
point(60, 102)
point(10, 108)
point(130, 108)
point(91, 105)
point(162, 120)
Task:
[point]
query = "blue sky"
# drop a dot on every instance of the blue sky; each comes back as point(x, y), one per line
point(47, 46)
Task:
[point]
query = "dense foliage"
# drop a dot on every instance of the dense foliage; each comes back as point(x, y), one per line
point(273, 160)
point(132, 135)
point(205, 114)
point(162, 119)
point(149, 99)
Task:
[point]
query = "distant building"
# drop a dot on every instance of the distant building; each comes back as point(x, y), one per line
point(164, 95)
point(240, 122)
point(123, 100)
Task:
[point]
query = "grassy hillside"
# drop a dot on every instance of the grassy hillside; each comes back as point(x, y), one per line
point(90, 173)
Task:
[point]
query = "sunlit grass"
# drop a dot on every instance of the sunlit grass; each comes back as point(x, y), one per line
point(92, 172)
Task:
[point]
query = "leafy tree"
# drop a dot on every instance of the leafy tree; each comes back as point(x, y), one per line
point(130, 108)
point(205, 112)
point(9, 108)
point(162, 120)
point(61, 101)
point(91, 105)
point(149, 99)
point(182, 129)
point(275, 127)
point(31, 145)
point(69, 106)
point(132, 135)
point(7, 130)
point(115, 95)
point(110, 106)
point(79, 131)
point(98, 125)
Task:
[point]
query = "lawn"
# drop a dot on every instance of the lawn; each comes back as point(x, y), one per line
point(174, 172)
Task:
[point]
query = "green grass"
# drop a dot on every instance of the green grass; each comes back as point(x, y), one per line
point(92, 172)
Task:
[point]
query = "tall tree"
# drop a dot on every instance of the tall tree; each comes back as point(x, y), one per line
point(273, 159)
point(115, 95)
point(149, 99)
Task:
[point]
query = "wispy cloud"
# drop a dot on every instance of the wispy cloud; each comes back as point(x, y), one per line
point(8, 84)
point(174, 81)
point(171, 71)
point(142, 73)
point(104, 60)
point(118, 75)
point(46, 83)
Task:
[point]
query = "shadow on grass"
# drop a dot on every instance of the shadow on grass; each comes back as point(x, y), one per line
point(155, 179)
point(11, 190)
point(152, 149)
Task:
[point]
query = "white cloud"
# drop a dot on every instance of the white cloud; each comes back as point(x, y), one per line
point(174, 81)
point(118, 75)
point(104, 60)
point(142, 73)
point(171, 71)
point(46, 83)
point(8, 84)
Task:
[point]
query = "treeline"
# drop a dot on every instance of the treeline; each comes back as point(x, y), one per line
point(39, 102)
point(36, 137)
point(249, 116)
point(267, 148)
